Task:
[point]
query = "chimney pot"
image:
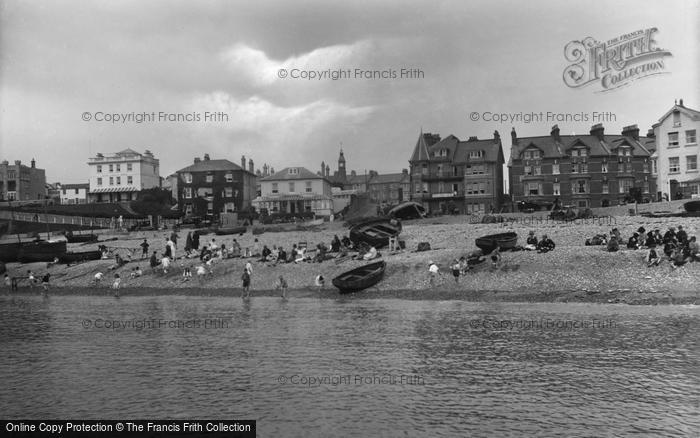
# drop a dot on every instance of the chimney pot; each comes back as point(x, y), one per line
point(513, 136)
point(631, 131)
point(33, 163)
point(496, 136)
point(243, 161)
point(680, 102)
point(206, 157)
point(598, 130)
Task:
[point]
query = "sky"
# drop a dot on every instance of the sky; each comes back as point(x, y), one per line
point(67, 66)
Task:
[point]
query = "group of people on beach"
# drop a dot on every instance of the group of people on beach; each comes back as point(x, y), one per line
point(675, 245)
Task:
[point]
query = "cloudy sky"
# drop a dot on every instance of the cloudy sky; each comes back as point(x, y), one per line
point(59, 60)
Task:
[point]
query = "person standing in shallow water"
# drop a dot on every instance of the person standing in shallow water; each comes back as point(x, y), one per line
point(246, 283)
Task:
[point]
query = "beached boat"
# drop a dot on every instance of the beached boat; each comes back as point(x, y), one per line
point(41, 251)
point(231, 230)
point(375, 232)
point(9, 252)
point(81, 238)
point(692, 206)
point(408, 210)
point(82, 256)
point(360, 278)
point(505, 241)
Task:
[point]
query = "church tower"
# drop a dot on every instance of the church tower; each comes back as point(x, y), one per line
point(341, 167)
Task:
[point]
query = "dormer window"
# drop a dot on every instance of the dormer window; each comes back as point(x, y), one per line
point(476, 154)
point(293, 171)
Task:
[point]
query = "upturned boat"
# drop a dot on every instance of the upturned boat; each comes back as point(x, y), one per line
point(230, 230)
point(360, 278)
point(505, 241)
point(82, 256)
point(41, 251)
point(692, 206)
point(375, 232)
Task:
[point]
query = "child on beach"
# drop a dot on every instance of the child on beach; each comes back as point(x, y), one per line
point(186, 274)
point(246, 283)
point(144, 249)
point(115, 285)
point(652, 257)
point(31, 278)
point(456, 268)
point(165, 261)
point(433, 272)
point(45, 282)
point(320, 281)
point(282, 284)
point(98, 277)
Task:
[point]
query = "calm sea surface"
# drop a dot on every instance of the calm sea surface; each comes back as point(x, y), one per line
point(355, 367)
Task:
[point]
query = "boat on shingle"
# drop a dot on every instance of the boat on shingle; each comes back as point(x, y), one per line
point(360, 278)
point(505, 241)
point(375, 232)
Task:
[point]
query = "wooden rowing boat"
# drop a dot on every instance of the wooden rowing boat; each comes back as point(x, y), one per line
point(505, 241)
point(231, 230)
point(375, 232)
point(692, 206)
point(41, 251)
point(82, 256)
point(360, 278)
point(81, 238)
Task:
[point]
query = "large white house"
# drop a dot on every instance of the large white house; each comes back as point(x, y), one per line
point(121, 176)
point(73, 193)
point(677, 152)
point(295, 190)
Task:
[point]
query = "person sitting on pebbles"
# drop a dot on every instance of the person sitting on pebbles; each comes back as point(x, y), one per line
point(545, 245)
point(693, 250)
point(319, 281)
point(633, 242)
point(370, 254)
point(433, 272)
point(496, 256)
point(653, 258)
point(531, 242)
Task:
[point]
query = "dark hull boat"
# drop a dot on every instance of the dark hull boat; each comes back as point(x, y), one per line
point(505, 241)
point(408, 210)
point(74, 257)
point(692, 206)
point(9, 252)
point(375, 232)
point(232, 230)
point(81, 238)
point(360, 278)
point(41, 251)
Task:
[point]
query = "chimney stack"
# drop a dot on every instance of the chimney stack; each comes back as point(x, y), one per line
point(680, 103)
point(405, 171)
point(206, 157)
point(473, 138)
point(33, 163)
point(650, 133)
point(631, 131)
point(243, 161)
point(555, 133)
point(513, 136)
point(328, 171)
point(18, 162)
point(496, 137)
point(196, 160)
point(598, 131)
point(251, 168)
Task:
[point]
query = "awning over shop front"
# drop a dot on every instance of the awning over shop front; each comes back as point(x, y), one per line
point(113, 189)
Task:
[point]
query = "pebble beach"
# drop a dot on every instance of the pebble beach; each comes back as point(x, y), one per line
point(572, 272)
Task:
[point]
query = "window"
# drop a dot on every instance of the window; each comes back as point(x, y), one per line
point(690, 137)
point(129, 179)
point(119, 168)
point(439, 170)
point(538, 170)
point(574, 168)
point(111, 180)
point(293, 171)
point(653, 165)
point(533, 189)
point(77, 191)
point(291, 187)
point(528, 170)
point(99, 169)
point(626, 185)
point(188, 178)
point(228, 192)
point(676, 118)
point(604, 167)
point(555, 168)
point(581, 152)
point(476, 154)
point(672, 139)
point(455, 171)
point(129, 167)
point(187, 193)
point(229, 207)
point(583, 203)
point(556, 189)
point(111, 167)
point(99, 181)
point(476, 169)
point(229, 177)
point(11, 174)
point(119, 180)
point(691, 163)
point(210, 208)
point(424, 169)
point(581, 186)
point(583, 168)
point(275, 188)
point(308, 187)
point(606, 188)
point(674, 165)
point(209, 178)
point(645, 187)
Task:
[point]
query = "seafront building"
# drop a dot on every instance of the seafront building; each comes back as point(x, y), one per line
point(677, 152)
point(209, 187)
point(454, 176)
point(121, 176)
point(389, 188)
point(73, 193)
point(342, 179)
point(295, 190)
point(21, 183)
point(595, 170)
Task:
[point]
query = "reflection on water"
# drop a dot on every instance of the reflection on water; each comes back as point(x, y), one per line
point(322, 367)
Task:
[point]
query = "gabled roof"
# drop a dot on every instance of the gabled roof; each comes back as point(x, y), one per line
point(691, 113)
point(284, 175)
point(211, 166)
point(389, 178)
point(75, 186)
point(128, 151)
point(420, 152)
point(492, 150)
point(557, 149)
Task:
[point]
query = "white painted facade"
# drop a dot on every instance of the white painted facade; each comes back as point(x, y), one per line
point(119, 177)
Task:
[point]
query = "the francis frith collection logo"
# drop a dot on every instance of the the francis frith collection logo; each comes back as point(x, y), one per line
point(614, 63)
